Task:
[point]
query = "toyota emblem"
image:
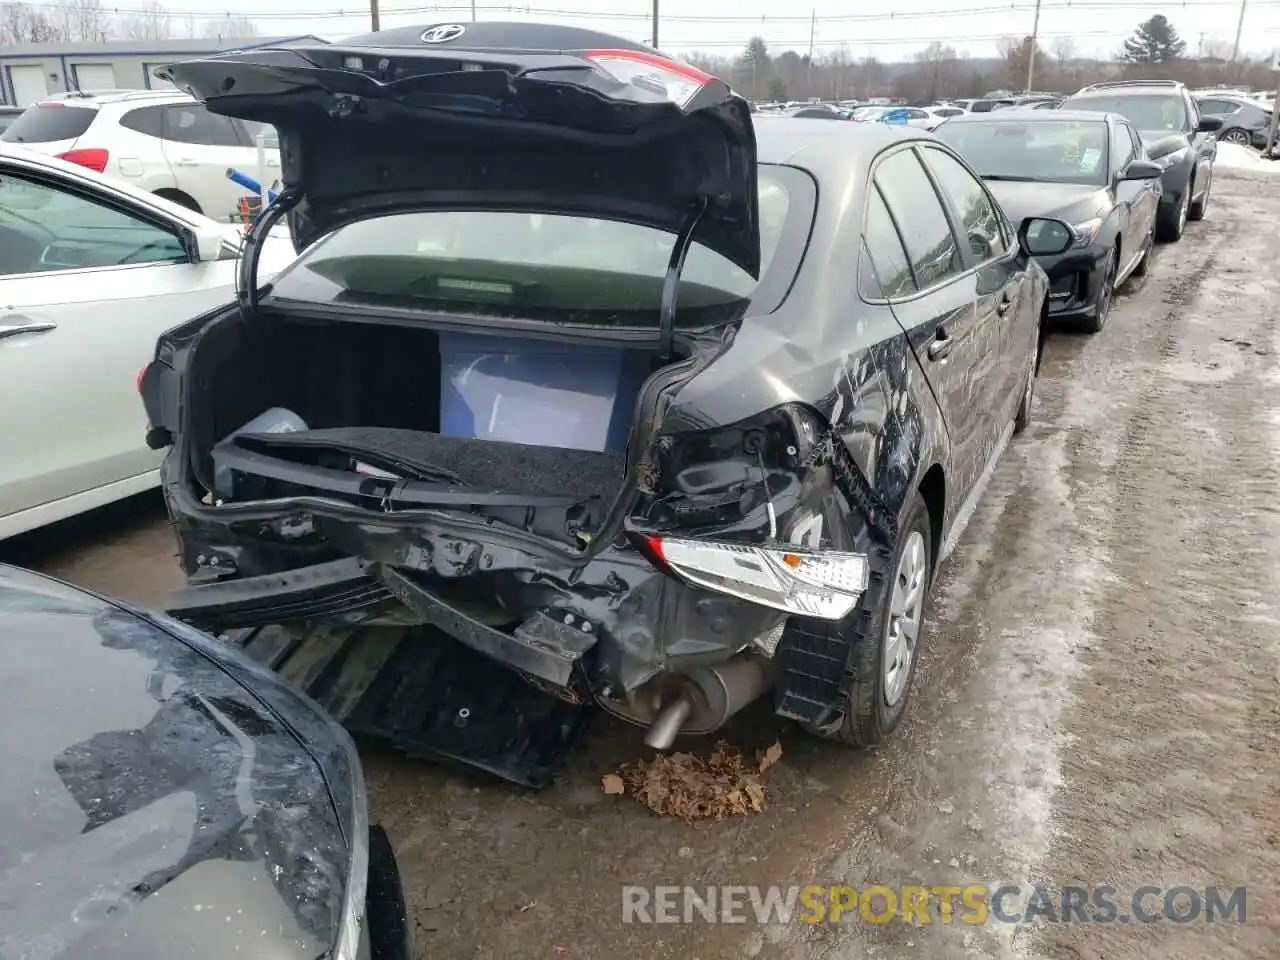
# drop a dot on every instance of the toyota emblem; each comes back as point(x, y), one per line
point(443, 33)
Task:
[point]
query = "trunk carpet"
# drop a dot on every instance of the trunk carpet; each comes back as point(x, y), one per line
point(488, 465)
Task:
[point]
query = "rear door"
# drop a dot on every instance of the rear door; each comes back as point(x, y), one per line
point(937, 310)
point(200, 147)
point(88, 282)
point(1006, 316)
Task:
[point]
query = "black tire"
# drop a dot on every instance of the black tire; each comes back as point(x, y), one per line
point(1198, 209)
point(180, 198)
point(1022, 418)
point(1236, 135)
point(1170, 224)
point(1105, 299)
point(868, 718)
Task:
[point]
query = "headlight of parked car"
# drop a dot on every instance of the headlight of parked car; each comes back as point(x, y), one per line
point(1086, 231)
point(1170, 159)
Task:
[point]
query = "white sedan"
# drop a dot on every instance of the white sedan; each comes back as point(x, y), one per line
point(92, 271)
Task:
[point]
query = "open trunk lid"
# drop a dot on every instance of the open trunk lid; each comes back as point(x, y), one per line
point(497, 116)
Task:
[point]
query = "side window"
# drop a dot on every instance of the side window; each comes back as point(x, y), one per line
point(192, 123)
point(44, 228)
point(883, 247)
point(917, 115)
point(1121, 147)
point(926, 232)
point(977, 211)
point(1139, 150)
point(1193, 111)
point(148, 120)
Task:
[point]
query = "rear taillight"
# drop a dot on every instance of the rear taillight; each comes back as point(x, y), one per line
point(94, 158)
point(810, 583)
point(652, 73)
point(141, 374)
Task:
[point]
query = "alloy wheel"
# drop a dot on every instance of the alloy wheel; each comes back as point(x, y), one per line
point(906, 615)
point(1238, 136)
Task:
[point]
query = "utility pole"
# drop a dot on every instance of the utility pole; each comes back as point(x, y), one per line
point(1031, 48)
point(373, 15)
point(655, 24)
point(813, 29)
point(473, 11)
point(1235, 51)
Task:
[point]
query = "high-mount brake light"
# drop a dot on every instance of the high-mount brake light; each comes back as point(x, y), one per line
point(657, 75)
point(809, 583)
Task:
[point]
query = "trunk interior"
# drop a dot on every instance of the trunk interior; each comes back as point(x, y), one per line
point(411, 402)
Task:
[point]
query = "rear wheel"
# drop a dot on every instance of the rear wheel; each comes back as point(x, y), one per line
point(1236, 135)
point(1022, 419)
point(885, 635)
point(1142, 266)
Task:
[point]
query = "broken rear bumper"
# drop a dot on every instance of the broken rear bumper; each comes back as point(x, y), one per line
point(544, 647)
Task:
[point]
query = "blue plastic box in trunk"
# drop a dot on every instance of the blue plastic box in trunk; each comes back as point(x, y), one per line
point(538, 392)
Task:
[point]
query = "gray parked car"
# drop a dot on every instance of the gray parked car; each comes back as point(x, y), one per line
point(1244, 121)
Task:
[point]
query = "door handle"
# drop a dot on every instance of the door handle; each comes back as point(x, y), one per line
point(941, 345)
point(1003, 306)
point(13, 325)
point(186, 162)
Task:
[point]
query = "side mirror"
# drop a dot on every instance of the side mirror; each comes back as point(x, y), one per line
point(206, 243)
point(1141, 170)
point(1042, 237)
point(1209, 124)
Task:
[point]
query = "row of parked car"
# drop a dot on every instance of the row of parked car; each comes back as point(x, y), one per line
point(541, 408)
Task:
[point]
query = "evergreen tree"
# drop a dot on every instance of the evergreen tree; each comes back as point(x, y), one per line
point(1155, 41)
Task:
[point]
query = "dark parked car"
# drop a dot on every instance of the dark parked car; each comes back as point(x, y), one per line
point(1244, 121)
point(1175, 135)
point(816, 113)
point(578, 372)
point(8, 115)
point(164, 796)
point(1085, 168)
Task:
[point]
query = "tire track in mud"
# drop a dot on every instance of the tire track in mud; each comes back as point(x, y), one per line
point(1019, 611)
point(1171, 776)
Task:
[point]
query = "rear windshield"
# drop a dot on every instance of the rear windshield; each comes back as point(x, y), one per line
point(558, 268)
point(47, 123)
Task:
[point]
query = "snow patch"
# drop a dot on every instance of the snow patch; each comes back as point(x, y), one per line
point(1234, 156)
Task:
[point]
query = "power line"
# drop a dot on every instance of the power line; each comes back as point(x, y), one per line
point(763, 21)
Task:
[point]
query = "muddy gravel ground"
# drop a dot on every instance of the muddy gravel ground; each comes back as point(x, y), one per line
point(1099, 701)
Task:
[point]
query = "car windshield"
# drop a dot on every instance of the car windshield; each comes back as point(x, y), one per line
point(565, 269)
point(1147, 112)
point(1061, 151)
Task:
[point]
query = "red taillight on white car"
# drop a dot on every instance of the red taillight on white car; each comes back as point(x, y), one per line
point(652, 73)
point(94, 158)
point(809, 583)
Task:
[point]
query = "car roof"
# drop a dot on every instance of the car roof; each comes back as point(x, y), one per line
point(826, 148)
point(100, 97)
point(1034, 116)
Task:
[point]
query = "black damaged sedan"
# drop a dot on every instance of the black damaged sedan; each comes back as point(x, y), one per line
point(1089, 169)
point(582, 372)
point(164, 796)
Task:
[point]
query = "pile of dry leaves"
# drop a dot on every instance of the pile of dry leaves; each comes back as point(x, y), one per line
point(683, 785)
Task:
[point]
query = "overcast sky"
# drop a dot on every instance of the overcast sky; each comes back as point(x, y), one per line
point(724, 26)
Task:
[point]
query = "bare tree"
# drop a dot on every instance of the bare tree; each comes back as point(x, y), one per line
point(21, 24)
point(231, 27)
point(150, 22)
point(1215, 49)
point(82, 21)
point(1064, 50)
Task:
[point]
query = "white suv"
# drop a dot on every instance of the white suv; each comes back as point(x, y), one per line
point(161, 141)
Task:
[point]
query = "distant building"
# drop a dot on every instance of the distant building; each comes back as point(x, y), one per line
point(36, 70)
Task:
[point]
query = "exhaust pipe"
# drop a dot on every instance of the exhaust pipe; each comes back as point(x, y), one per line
point(711, 695)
